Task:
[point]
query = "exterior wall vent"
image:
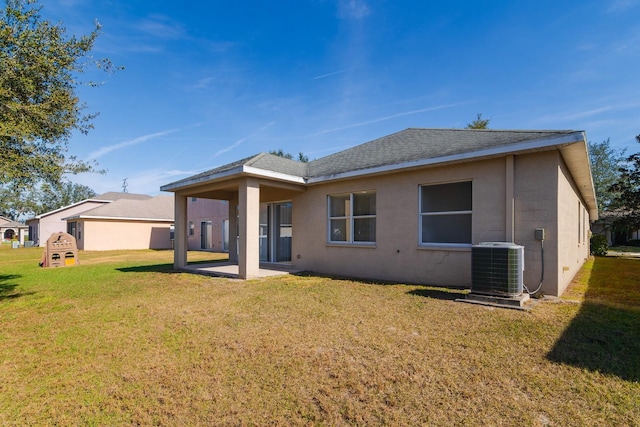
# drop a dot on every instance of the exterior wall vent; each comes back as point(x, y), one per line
point(497, 269)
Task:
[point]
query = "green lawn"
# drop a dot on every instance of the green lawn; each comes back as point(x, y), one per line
point(122, 340)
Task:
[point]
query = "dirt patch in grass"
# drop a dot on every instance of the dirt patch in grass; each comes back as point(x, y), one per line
point(105, 344)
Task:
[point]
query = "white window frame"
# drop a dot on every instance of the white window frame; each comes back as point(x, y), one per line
point(350, 217)
point(460, 212)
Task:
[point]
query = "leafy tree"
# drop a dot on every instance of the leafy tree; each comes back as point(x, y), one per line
point(301, 157)
point(627, 189)
point(39, 107)
point(478, 123)
point(44, 198)
point(605, 164)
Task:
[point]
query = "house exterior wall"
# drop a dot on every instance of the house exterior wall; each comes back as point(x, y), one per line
point(536, 197)
point(102, 235)
point(397, 255)
point(201, 210)
point(573, 226)
point(544, 197)
point(53, 223)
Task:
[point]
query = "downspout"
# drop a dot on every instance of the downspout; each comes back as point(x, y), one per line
point(509, 200)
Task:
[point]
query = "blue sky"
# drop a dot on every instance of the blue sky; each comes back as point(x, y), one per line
point(210, 82)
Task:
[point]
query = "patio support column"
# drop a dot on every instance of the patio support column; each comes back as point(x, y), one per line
point(510, 200)
point(233, 229)
point(180, 232)
point(249, 255)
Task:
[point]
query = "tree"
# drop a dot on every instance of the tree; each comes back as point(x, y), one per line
point(627, 189)
point(301, 157)
point(44, 198)
point(479, 123)
point(605, 163)
point(39, 108)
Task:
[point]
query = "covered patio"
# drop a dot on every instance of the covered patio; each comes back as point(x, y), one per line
point(250, 186)
point(232, 271)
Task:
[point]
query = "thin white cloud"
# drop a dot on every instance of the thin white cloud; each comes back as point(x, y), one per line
point(105, 150)
point(353, 9)
point(242, 140)
point(161, 27)
point(619, 6)
point(322, 76)
point(583, 114)
point(381, 119)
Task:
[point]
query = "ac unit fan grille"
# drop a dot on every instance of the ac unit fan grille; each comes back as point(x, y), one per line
point(496, 270)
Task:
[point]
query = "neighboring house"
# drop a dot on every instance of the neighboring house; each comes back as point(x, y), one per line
point(605, 225)
point(208, 225)
point(409, 206)
point(12, 229)
point(44, 225)
point(124, 224)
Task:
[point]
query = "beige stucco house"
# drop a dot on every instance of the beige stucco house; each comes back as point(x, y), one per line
point(408, 207)
point(44, 225)
point(208, 226)
point(10, 230)
point(124, 224)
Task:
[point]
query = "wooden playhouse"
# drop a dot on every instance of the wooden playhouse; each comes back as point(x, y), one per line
point(60, 251)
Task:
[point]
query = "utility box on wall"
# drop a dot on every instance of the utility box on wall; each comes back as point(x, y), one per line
point(60, 251)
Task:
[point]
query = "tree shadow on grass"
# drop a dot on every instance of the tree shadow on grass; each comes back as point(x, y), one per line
point(8, 289)
point(605, 334)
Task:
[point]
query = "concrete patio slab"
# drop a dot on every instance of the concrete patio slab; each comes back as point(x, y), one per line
point(231, 270)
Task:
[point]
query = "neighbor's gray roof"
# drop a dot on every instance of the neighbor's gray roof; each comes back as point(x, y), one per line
point(102, 198)
point(13, 224)
point(151, 208)
point(115, 195)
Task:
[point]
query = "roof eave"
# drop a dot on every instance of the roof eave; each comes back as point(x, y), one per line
point(239, 171)
point(117, 218)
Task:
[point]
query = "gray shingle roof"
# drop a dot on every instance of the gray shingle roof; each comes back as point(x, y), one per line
point(158, 207)
point(12, 224)
point(409, 145)
point(264, 161)
point(115, 195)
point(418, 144)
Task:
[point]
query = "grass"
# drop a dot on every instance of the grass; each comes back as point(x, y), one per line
point(632, 249)
point(121, 339)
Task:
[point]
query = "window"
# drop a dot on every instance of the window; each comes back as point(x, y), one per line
point(191, 228)
point(71, 228)
point(352, 218)
point(445, 213)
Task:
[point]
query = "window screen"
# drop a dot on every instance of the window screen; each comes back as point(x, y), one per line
point(446, 213)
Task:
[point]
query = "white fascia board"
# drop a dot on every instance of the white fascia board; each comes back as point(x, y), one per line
point(273, 175)
point(537, 144)
point(73, 205)
point(117, 218)
point(240, 170)
point(205, 178)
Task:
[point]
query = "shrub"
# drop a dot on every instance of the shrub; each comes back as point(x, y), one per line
point(599, 245)
point(634, 242)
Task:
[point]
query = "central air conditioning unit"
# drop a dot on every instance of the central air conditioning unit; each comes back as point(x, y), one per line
point(497, 269)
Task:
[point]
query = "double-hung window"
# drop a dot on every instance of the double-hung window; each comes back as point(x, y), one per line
point(446, 213)
point(352, 218)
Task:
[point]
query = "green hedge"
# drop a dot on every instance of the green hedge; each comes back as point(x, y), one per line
point(599, 245)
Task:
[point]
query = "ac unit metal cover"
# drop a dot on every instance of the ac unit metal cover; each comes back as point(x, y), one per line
point(497, 269)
